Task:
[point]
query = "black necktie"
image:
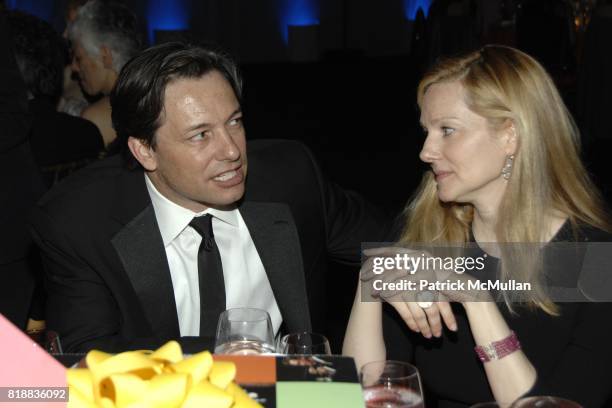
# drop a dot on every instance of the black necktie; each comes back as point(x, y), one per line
point(210, 276)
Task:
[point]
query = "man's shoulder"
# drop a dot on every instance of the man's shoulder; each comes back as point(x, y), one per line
point(77, 123)
point(86, 190)
point(283, 171)
point(57, 137)
point(279, 153)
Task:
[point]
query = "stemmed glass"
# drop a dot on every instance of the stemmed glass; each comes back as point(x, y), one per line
point(304, 343)
point(244, 331)
point(544, 402)
point(51, 342)
point(388, 384)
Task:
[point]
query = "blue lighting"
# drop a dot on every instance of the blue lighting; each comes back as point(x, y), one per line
point(39, 8)
point(167, 15)
point(412, 6)
point(298, 13)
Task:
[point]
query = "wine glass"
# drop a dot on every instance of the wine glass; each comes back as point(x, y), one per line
point(305, 343)
point(51, 342)
point(391, 384)
point(244, 331)
point(544, 402)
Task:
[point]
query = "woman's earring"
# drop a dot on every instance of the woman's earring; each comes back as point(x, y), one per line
point(507, 169)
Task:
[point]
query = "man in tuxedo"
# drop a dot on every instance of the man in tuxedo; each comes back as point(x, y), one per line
point(152, 245)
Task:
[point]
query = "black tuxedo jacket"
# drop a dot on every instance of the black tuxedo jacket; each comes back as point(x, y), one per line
point(108, 279)
point(20, 187)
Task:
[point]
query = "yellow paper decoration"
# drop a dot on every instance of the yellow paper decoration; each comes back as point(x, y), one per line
point(127, 389)
point(241, 398)
point(222, 373)
point(197, 366)
point(207, 395)
point(107, 403)
point(77, 399)
point(95, 357)
point(81, 381)
point(167, 390)
point(159, 379)
point(169, 353)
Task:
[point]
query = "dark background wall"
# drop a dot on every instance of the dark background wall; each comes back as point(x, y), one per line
point(256, 30)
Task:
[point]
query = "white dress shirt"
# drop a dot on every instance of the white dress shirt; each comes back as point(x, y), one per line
point(246, 282)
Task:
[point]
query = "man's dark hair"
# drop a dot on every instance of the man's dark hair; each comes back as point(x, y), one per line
point(137, 100)
point(40, 53)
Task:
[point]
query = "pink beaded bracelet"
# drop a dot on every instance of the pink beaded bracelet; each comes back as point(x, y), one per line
point(498, 349)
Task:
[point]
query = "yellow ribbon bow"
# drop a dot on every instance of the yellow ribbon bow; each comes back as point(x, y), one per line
point(163, 378)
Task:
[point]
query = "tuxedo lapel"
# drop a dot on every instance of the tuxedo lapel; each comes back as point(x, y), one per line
point(141, 250)
point(274, 233)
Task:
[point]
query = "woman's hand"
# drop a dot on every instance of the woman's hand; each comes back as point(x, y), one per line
point(426, 320)
point(421, 296)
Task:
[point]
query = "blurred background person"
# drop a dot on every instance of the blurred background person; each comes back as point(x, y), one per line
point(20, 186)
point(72, 101)
point(505, 168)
point(103, 37)
point(60, 143)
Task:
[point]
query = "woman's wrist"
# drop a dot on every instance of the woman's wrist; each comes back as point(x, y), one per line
point(478, 300)
point(486, 322)
point(498, 349)
point(482, 312)
point(366, 301)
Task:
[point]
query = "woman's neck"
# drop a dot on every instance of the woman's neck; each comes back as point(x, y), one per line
point(484, 224)
point(109, 82)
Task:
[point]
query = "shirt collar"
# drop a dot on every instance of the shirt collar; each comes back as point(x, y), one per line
point(173, 219)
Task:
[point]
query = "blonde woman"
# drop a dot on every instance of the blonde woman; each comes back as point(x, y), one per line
point(505, 168)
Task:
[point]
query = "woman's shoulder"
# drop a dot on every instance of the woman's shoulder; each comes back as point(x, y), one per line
point(100, 108)
point(582, 232)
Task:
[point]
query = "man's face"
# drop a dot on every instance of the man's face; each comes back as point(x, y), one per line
point(199, 159)
point(89, 68)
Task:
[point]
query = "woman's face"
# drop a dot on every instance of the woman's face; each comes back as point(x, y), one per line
point(465, 153)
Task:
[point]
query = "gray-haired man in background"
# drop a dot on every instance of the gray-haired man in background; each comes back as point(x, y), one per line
point(104, 37)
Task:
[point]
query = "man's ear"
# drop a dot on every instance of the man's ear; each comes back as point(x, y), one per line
point(143, 153)
point(107, 57)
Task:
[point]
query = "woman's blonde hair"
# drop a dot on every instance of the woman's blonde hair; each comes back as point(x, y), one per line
point(505, 85)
